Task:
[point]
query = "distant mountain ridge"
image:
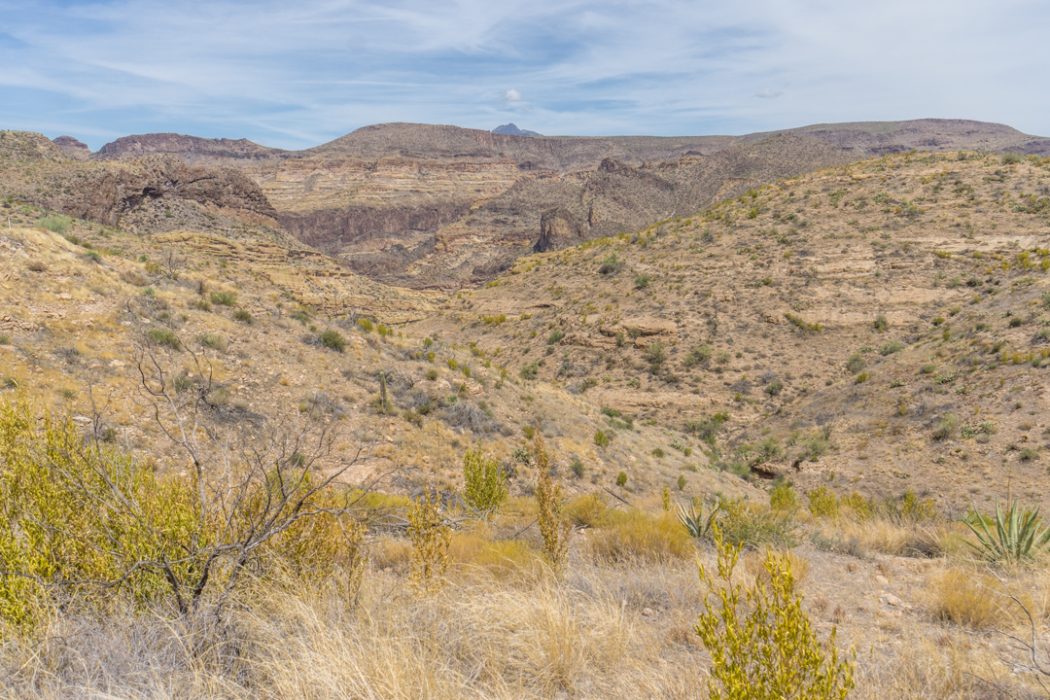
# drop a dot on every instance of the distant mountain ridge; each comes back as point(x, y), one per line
point(512, 129)
point(424, 205)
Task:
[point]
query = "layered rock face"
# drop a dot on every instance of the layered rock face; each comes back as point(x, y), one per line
point(441, 206)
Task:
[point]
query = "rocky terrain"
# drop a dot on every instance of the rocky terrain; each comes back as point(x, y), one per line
point(845, 361)
point(440, 206)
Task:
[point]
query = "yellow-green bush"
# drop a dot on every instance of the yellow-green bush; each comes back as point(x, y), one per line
point(761, 642)
point(81, 522)
point(823, 502)
point(751, 524)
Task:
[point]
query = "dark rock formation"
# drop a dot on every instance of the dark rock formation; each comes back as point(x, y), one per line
point(558, 228)
point(74, 148)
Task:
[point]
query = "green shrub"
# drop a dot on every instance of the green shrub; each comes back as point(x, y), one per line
point(484, 483)
point(782, 497)
point(365, 324)
point(621, 479)
point(750, 524)
point(243, 316)
point(223, 298)
point(212, 341)
point(802, 324)
point(165, 337)
point(641, 281)
point(333, 340)
point(61, 537)
point(601, 438)
point(823, 502)
point(610, 265)
point(854, 364)
point(56, 223)
point(761, 642)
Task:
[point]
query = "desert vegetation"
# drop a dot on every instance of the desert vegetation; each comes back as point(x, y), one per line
point(709, 458)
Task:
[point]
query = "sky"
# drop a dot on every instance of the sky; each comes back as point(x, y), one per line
point(297, 73)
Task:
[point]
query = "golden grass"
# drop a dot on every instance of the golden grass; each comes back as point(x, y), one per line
point(634, 534)
point(968, 597)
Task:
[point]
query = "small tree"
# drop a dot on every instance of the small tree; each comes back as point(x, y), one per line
point(761, 642)
point(484, 484)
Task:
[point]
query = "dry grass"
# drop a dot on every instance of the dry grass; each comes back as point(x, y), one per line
point(633, 534)
point(969, 597)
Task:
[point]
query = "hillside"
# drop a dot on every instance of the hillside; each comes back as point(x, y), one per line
point(441, 206)
point(831, 367)
point(879, 326)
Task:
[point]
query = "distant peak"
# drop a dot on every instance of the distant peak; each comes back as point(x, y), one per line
point(512, 129)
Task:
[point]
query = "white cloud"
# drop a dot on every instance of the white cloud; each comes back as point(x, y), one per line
point(297, 74)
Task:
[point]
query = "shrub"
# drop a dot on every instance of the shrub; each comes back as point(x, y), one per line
point(802, 324)
point(430, 542)
point(693, 519)
point(365, 324)
point(56, 223)
point(484, 484)
point(165, 337)
point(1016, 534)
point(854, 364)
point(783, 497)
point(610, 265)
point(621, 479)
point(634, 535)
point(213, 342)
point(223, 298)
point(891, 347)
point(699, 355)
point(641, 281)
point(823, 502)
point(743, 523)
point(242, 316)
point(761, 642)
point(554, 527)
point(880, 323)
point(601, 438)
point(530, 371)
point(655, 355)
point(333, 340)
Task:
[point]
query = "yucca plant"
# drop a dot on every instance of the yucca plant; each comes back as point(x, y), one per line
point(1018, 533)
point(694, 520)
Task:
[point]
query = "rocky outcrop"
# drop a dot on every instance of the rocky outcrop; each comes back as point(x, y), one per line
point(74, 148)
point(558, 228)
point(189, 148)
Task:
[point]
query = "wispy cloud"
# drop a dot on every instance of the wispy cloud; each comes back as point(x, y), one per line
point(297, 74)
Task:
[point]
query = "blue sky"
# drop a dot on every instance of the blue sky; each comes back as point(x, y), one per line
point(299, 73)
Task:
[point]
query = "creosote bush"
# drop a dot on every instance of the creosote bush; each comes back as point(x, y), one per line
point(333, 340)
point(484, 484)
point(761, 642)
point(84, 526)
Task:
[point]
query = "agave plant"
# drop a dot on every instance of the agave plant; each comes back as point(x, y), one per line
point(698, 525)
point(1018, 533)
